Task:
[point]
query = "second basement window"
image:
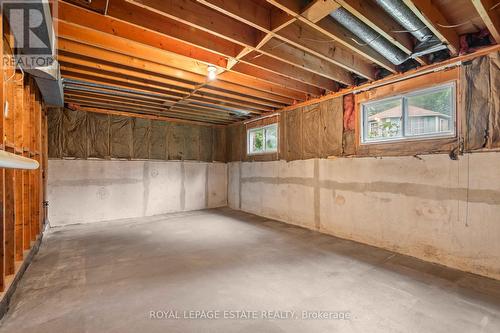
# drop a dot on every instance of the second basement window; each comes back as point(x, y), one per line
point(262, 140)
point(428, 113)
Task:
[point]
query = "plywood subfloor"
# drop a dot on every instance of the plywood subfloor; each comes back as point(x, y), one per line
point(108, 277)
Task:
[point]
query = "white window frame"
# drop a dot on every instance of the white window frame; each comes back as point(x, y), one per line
point(266, 149)
point(404, 120)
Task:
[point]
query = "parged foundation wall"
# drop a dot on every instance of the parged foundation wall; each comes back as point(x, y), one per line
point(86, 191)
point(430, 207)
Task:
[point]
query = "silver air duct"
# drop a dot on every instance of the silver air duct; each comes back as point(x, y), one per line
point(369, 36)
point(404, 16)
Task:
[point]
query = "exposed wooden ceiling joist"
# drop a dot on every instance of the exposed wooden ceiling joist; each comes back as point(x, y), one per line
point(163, 106)
point(293, 55)
point(141, 110)
point(143, 115)
point(247, 13)
point(334, 37)
point(67, 60)
point(183, 66)
point(86, 100)
point(319, 9)
point(489, 10)
point(105, 80)
point(84, 26)
point(282, 68)
point(338, 64)
point(268, 53)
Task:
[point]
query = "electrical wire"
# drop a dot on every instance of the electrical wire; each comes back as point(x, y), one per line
point(14, 74)
point(366, 44)
point(319, 40)
point(454, 25)
point(410, 31)
point(451, 26)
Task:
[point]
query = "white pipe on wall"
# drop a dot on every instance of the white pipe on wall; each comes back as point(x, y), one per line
point(13, 161)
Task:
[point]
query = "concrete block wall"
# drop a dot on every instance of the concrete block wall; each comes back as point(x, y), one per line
point(430, 207)
point(86, 191)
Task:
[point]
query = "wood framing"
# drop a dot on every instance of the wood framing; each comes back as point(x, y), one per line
point(267, 54)
point(490, 16)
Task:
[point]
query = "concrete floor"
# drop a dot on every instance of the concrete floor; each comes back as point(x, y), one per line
point(108, 277)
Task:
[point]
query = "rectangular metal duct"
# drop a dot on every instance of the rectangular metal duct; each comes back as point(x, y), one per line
point(48, 76)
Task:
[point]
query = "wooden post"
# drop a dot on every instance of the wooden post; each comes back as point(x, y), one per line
point(26, 174)
point(19, 184)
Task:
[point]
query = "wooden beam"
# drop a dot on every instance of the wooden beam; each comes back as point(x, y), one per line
point(248, 14)
point(290, 54)
point(100, 78)
point(213, 20)
point(83, 100)
point(336, 37)
point(19, 124)
point(152, 104)
point(201, 17)
point(119, 107)
point(307, 38)
point(428, 13)
point(171, 113)
point(27, 173)
point(99, 39)
point(490, 16)
point(73, 52)
point(68, 13)
point(140, 115)
point(285, 82)
point(318, 9)
point(125, 47)
point(290, 71)
point(142, 18)
point(103, 80)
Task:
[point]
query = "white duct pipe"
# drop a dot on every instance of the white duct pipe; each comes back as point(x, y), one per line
point(13, 161)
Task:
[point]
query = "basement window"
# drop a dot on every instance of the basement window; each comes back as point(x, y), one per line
point(262, 140)
point(422, 114)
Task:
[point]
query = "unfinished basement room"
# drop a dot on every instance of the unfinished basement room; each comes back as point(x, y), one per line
point(250, 166)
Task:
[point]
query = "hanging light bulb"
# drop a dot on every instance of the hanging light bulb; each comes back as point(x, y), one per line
point(212, 72)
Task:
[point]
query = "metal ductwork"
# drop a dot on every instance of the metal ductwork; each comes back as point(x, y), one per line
point(403, 15)
point(42, 65)
point(369, 36)
point(48, 80)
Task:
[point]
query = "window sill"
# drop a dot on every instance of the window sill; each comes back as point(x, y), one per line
point(410, 139)
point(408, 147)
point(262, 154)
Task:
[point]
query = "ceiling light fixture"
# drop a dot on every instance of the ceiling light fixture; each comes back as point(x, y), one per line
point(212, 72)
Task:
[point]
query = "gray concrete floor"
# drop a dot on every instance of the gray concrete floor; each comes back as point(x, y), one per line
point(108, 277)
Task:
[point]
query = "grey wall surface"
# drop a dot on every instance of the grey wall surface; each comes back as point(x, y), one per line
point(86, 191)
point(429, 207)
